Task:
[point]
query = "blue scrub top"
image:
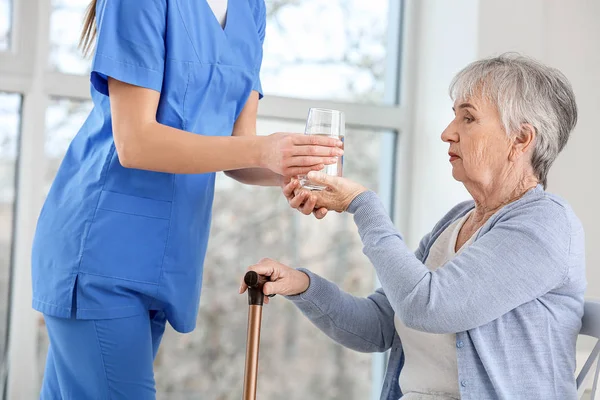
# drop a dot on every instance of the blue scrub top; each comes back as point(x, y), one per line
point(114, 242)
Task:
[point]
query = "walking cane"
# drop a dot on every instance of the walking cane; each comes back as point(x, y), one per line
point(256, 297)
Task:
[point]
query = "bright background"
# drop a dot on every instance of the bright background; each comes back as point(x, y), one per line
point(387, 64)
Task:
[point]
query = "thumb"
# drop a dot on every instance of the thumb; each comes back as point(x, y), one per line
point(319, 177)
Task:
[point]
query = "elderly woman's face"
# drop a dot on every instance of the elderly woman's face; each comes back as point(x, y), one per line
point(479, 146)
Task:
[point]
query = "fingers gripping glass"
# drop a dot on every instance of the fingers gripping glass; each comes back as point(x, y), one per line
point(330, 123)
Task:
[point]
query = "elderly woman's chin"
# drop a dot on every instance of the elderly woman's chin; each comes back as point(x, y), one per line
point(458, 172)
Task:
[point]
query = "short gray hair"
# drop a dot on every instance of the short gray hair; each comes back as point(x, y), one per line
point(524, 91)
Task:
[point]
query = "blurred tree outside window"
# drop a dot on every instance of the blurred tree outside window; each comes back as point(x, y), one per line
point(10, 120)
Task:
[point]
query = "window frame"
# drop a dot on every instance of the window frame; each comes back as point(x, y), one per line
point(24, 69)
point(7, 319)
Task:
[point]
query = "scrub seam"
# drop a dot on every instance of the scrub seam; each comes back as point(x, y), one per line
point(104, 172)
point(135, 215)
point(102, 358)
point(162, 264)
point(209, 64)
point(52, 304)
point(186, 30)
point(106, 309)
point(187, 85)
point(130, 64)
point(121, 279)
point(186, 62)
point(89, 225)
point(139, 197)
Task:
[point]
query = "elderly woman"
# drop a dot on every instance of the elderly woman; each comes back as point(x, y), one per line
point(490, 304)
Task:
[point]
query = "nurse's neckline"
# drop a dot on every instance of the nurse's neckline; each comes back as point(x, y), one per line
point(214, 17)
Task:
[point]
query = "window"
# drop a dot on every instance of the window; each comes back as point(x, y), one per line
point(10, 115)
point(343, 52)
point(250, 223)
point(63, 120)
point(5, 24)
point(313, 49)
point(323, 49)
point(64, 53)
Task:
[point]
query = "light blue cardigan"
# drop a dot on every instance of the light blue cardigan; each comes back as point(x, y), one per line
point(514, 298)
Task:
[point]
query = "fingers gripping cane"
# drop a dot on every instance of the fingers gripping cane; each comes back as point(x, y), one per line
point(256, 297)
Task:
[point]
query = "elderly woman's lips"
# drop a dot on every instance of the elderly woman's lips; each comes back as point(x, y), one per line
point(453, 157)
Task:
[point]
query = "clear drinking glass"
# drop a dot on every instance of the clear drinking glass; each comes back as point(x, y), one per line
point(325, 122)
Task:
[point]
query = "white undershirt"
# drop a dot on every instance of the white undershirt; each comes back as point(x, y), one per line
point(430, 370)
point(219, 8)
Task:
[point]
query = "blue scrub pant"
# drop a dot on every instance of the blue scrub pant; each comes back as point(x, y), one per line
point(102, 359)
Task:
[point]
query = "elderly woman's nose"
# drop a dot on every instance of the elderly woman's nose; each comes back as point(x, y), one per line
point(449, 134)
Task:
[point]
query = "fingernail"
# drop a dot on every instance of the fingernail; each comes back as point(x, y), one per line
point(339, 152)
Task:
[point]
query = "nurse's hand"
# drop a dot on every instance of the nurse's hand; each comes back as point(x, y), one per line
point(337, 195)
point(284, 280)
point(292, 154)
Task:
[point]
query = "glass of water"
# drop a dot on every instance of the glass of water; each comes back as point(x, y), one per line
point(330, 123)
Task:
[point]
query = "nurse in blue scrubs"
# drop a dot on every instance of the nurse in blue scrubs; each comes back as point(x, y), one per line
point(121, 239)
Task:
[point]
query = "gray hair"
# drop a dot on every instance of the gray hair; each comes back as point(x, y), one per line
point(524, 91)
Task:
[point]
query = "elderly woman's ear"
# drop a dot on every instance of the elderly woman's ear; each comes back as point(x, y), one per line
point(523, 142)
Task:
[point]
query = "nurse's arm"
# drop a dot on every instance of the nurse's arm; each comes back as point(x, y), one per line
point(245, 125)
point(144, 143)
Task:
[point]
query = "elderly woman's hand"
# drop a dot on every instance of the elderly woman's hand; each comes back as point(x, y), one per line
point(301, 199)
point(283, 279)
point(337, 195)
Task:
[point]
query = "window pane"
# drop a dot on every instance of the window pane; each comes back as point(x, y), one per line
point(10, 116)
point(296, 360)
point(63, 120)
point(65, 28)
point(5, 24)
point(313, 48)
point(327, 49)
point(64, 117)
point(250, 223)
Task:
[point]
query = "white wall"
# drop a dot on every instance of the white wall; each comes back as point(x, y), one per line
point(438, 55)
point(566, 35)
point(449, 35)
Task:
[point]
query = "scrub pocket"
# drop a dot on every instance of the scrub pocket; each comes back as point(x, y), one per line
point(127, 238)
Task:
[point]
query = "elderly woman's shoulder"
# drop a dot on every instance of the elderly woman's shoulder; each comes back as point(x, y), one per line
point(556, 201)
point(546, 219)
point(546, 207)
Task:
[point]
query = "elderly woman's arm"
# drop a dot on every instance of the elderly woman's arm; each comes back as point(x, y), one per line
point(525, 255)
point(361, 324)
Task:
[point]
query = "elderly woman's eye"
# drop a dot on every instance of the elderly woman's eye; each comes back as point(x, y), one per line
point(468, 119)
